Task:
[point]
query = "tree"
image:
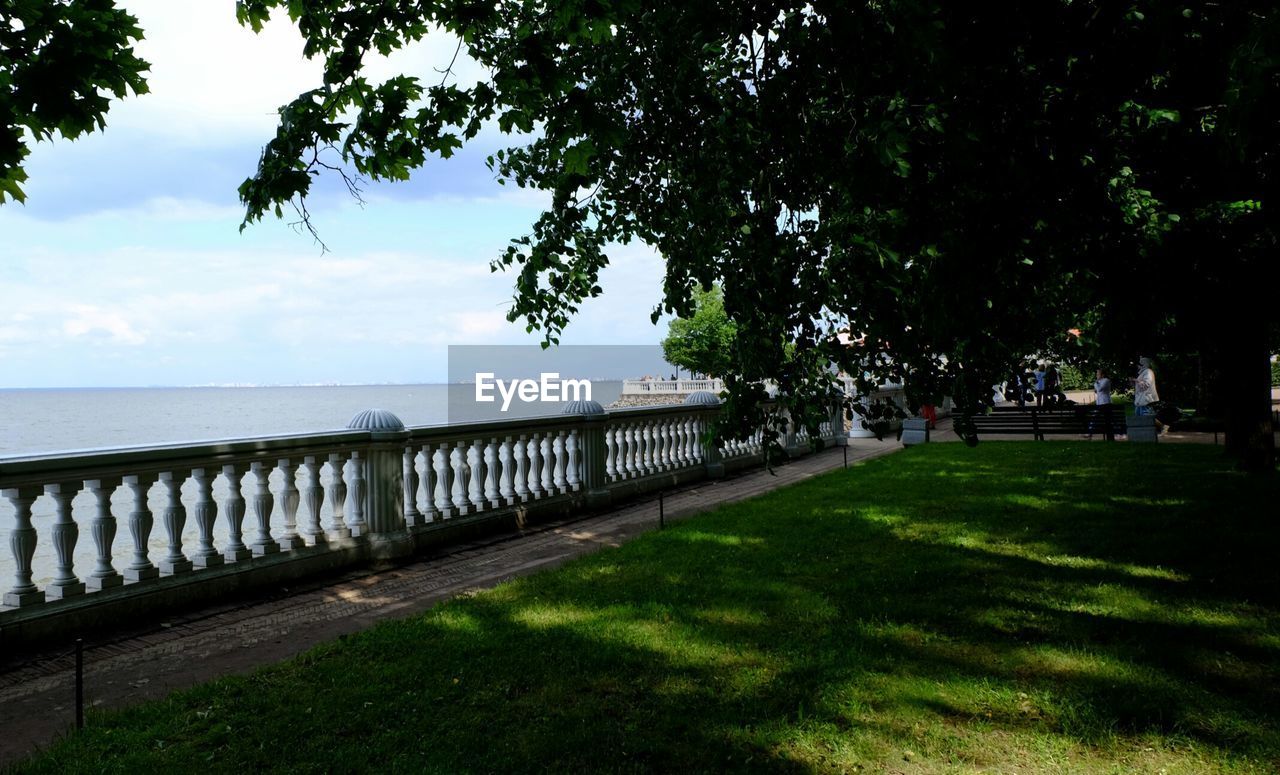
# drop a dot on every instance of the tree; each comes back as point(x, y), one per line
point(703, 342)
point(60, 63)
point(904, 171)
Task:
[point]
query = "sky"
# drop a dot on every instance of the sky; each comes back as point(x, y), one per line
point(126, 267)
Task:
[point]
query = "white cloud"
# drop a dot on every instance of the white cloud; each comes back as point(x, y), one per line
point(87, 319)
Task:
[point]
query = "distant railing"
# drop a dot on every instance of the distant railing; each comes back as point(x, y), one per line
point(91, 532)
point(631, 387)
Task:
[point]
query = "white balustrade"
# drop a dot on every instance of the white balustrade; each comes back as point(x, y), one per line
point(442, 474)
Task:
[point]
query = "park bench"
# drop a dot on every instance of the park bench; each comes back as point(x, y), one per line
point(1107, 421)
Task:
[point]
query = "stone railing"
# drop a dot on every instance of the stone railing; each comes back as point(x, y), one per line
point(632, 387)
point(101, 536)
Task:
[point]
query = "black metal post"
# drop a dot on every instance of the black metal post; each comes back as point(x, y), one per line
point(662, 516)
point(845, 450)
point(79, 683)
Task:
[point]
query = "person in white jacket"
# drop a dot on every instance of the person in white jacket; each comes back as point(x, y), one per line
point(1144, 388)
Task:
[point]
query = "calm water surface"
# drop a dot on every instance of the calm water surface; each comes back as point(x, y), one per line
point(51, 420)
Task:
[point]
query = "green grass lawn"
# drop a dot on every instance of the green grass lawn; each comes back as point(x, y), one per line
point(1018, 607)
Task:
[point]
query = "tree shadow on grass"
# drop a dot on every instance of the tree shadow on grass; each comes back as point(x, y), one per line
point(814, 628)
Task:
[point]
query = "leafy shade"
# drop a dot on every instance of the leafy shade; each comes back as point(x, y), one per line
point(910, 173)
point(60, 63)
point(703, 342)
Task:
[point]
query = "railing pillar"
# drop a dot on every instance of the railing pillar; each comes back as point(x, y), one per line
point(712, 460)
point(593, 450)
point(837, 424)
point(384, 480)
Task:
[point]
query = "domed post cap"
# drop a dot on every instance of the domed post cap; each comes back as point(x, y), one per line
point(379, 422)
point(702, 398)
point(582, 407)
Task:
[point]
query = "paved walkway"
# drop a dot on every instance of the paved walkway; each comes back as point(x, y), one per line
point(37, 692)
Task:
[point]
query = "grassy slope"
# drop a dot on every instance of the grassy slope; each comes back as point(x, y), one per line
point(1015, 607)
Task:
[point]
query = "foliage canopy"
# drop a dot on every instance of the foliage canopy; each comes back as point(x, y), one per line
point(907, 172)
point(703, 342)
point(60, 63)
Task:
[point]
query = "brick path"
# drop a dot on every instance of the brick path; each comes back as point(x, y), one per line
point(37, 693)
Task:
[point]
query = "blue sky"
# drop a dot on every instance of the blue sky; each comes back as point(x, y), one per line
point(125, 267)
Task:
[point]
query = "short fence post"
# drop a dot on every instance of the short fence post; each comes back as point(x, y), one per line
point(596, 480)
point(384, 483)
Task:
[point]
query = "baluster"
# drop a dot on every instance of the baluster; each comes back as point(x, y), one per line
point(234, 507)
point(205, 512)
point(476, 475)
point(522, 469)
point(681, 442)
point(338, 496)
point(357, 523)
point(506, 487)
point(140, 524)
point(22, 544)
point(662, 440)
point(548, 465)
point(629, 450)
point(647, 448)
point(312, 500)
point(175, 518)
point(412, 517)
point(695, 439)
point(458, 462)
point(532, 447)
point(655, 427)
point(561, 458)
point(64, 534)
point(491, 474)
point(103, 529)
point(427, 482)
point(611, 450)
point(289, 539)
point(263, 503)
point(671, 443)
point(444, 502)
point(575, 461)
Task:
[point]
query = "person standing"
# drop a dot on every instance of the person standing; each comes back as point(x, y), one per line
point(1051, 385)
point(1039, 375)
point(1144, 388)
point(1102, 393)
point(1102, 387)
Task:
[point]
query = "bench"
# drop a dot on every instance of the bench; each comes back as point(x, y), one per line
point(1107, 420)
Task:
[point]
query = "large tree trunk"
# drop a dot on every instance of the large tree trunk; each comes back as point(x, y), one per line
point(1250, 434)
